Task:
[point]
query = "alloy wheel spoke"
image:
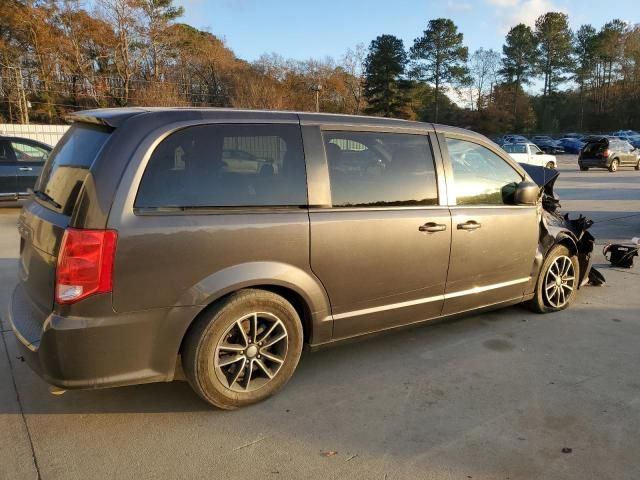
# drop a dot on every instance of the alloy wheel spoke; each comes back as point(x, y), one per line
point(567, 267)
point(253, 329)
point(229, 359)
point(243, 333)
point(553, 295)
point(248, 373)
point(237, 373)
point(271, 357)
point(269, 332)
point(264, 368)
point(272, 342)
point(229, 347)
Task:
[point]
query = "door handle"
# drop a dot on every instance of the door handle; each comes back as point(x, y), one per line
point(432, 227)
point(25, 169)
point(470, 225)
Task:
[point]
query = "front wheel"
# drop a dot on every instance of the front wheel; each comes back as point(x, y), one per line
point(557, 283)
point(638, 165)
point(614, 166)
point(583, 169)
point(244, 349)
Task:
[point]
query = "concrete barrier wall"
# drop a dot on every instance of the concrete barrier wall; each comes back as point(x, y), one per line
point(49, 134)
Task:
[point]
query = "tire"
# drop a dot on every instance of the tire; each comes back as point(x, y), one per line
point(637, 167)
point(238, 328)
point(547, 299)
point(615, 163)
point(550, 165)
point(583, 169)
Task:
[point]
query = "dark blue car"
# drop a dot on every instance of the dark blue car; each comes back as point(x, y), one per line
point(571, 145)
point(21, 161)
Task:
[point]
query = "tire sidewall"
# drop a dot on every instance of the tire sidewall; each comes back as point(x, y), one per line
point(200, 369)
point(538, 302)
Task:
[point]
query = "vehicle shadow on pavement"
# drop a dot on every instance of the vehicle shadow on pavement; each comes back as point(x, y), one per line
point(508, 383)
point(343, 376)
point(342, 368)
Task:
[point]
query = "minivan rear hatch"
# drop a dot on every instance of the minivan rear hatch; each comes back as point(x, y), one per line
point(43, 221)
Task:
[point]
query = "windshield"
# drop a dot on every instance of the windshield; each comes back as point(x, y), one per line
point(68, 165)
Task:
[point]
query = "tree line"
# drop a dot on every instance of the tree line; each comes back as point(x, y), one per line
point(56, 57)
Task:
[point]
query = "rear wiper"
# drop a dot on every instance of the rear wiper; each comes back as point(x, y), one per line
point(46, 198)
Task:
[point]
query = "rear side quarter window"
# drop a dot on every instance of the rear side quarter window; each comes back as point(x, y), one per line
point(217, 166)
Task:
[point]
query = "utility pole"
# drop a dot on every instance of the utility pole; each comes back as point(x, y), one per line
point(22, 98)
point(19, 95)
point(317, 88)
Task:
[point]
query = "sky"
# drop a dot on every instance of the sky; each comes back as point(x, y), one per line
point(303, 29)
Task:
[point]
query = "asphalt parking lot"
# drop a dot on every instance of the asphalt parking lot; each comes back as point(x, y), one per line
point(504, 395)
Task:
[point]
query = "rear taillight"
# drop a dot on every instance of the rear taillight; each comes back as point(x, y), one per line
point(85, 264)
point(605, 154)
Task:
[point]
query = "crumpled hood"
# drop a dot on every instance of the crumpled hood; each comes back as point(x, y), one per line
point(557, 227)
point(544, 177)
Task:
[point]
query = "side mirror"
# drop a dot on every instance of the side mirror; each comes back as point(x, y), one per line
point(526, 193)
point(539, 153)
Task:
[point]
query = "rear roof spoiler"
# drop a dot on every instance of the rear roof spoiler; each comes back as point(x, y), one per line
point(108, 117)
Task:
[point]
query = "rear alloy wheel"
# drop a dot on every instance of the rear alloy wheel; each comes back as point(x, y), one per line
point(614, 165)
point(557, 283)
point(244, 350)
point(550, 165)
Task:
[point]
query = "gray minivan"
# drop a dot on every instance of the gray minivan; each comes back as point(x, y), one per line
point(219, 242)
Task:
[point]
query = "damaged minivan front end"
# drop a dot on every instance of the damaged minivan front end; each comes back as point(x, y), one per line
point(559, 229)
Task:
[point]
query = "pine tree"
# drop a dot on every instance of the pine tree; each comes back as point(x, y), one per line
point(439, 57)
point(384, 88)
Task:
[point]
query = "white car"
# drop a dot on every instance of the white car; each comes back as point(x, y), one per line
point(529, 153)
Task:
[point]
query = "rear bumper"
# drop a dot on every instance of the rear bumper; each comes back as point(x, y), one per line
point(594, 162)
point(122, 349)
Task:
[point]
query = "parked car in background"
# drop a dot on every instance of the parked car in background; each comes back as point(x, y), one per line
point(577, 136)
point(21, 162)
point(547, 144)
point(514, 139)
point(608, 152)
point(530, 153)
point(626, 133)
point(143, 251)
point(628, 136)
point(571, 144)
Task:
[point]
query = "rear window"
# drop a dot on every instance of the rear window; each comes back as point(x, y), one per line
point(517, 148)
point(68, 165)
point(226, 166)
point(594, 147)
